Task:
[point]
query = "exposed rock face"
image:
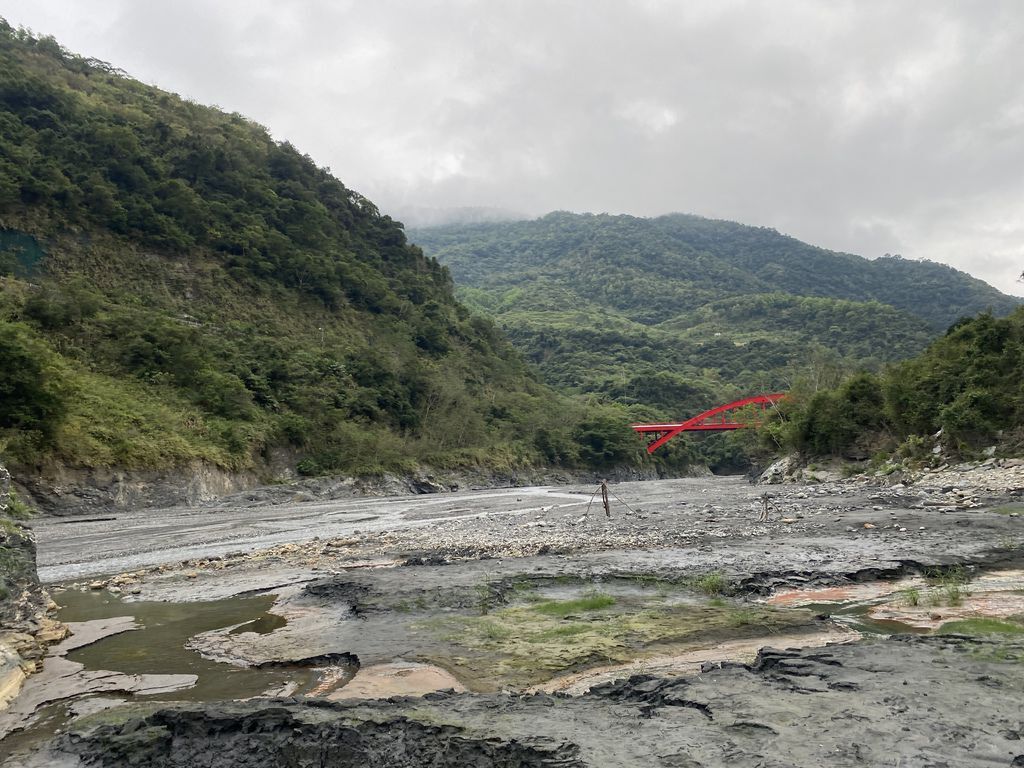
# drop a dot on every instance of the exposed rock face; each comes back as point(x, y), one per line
point(794, 469)
point(68, 491)
point(25, 629)
point(304, 737)
point(780, 471)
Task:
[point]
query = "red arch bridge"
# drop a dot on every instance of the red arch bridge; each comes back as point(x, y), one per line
point(738, 414)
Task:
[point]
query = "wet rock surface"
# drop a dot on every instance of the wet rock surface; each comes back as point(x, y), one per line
point(61, 677)
point(902, 701)
point(293, 735)
point(497, 626)
point(26, 628)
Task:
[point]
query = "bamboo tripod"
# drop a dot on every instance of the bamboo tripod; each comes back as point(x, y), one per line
point(603, 490)
point(766, 507)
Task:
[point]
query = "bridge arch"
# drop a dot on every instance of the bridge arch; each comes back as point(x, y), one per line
point(719, 419)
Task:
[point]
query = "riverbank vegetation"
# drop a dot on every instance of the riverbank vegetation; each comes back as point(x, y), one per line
point(963, 393)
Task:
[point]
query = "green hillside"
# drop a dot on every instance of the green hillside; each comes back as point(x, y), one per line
point(654, 269)
point(934, 292)
point(678, 313)
point(177, 285)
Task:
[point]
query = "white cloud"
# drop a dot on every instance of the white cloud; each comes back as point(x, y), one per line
point(650, 117)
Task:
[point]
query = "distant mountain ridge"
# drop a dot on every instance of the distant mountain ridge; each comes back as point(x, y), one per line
point(720, 258)
point(647, 310)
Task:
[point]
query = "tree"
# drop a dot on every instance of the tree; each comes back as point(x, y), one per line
point(32, 393)
point(605, 439)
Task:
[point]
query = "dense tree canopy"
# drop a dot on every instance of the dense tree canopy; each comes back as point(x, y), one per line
point(967, 387)
point(654, 269)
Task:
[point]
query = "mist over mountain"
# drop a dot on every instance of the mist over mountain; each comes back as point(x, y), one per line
point(414, 216)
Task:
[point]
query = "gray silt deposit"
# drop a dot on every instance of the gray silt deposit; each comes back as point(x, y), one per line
point(907, 701)
point(929, 701)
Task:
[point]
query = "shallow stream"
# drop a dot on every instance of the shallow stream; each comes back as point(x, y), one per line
point(159, 646)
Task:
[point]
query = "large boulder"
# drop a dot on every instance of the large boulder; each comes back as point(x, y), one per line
point(782, 471)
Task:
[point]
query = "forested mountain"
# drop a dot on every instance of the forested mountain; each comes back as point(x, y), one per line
point(175, 285)
point(678, 312)
point(655, 268)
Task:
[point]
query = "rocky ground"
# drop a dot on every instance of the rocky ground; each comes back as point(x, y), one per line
point(888, 518)
point(524, 590)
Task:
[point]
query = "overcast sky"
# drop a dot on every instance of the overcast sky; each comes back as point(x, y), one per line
point(863, 126)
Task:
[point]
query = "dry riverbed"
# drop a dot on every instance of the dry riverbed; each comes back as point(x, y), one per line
point(561, 637)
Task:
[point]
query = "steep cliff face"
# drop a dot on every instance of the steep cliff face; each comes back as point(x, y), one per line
point(61, 490)
point(25, 626)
